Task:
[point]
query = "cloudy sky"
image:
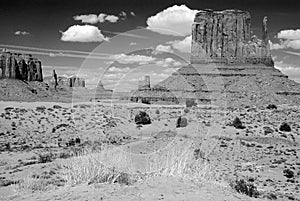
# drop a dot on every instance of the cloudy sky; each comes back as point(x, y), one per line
point(87, 37)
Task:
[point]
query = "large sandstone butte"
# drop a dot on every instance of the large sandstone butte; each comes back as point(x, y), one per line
point(20, 66)
point(228, 67)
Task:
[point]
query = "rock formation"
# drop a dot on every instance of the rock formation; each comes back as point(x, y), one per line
point(225, 37)
point(62, 81)
point(144, 84)
point(20, 66)
point(228, 67)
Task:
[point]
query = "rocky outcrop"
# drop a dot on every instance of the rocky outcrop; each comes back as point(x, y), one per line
point(225, 37)
point(62, 81)
point(20, 66)
point(144, 84)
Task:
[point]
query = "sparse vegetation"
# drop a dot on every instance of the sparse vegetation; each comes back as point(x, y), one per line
point(237, 123)
point(142, 118)
point(244, 187)
point(285, 127)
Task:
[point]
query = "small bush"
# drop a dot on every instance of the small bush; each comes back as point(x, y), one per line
point(247, 188)
point(186, 110)
point(142, 118)
point(288, 173)
point(157, 111)
point(285, 127)
point(272, 106)
point(181, 122)
point(237, 123)
point(46, 157)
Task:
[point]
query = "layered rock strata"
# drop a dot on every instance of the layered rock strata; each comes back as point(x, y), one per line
point(20, 66)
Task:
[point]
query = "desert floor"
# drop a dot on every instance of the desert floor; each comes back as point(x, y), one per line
point(42, 144)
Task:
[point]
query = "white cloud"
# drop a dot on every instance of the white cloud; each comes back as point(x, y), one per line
point(111, 18)
point(83, 33)
point(170, 70)
point(182, 45)
point(289, 34)
point(132, 43)
point(23, 33)
point(167, 62)
point(127, 59)
point(163, 48)
point(288, 39)
point(175, 20)
point(115, 69)
point(90, 18)
point(132, 13)
point(93, 18)
point(123, 14)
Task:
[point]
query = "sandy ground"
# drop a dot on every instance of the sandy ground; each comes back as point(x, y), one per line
point(259, 153)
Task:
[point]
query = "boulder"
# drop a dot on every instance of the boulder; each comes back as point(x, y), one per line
point(142, 118)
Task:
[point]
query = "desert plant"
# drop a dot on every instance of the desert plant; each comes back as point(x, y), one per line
point(271, 106)
point(237, 123)
point(285, 127)
point(46, 157)
point(142, 118)
point(186, 110)
point(247, 188)
point(31, 185)
point(181, 122)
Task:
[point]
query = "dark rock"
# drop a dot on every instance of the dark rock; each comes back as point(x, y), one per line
point(285, 127)
point(142, 118)
point(288, 173)
point(181, 122)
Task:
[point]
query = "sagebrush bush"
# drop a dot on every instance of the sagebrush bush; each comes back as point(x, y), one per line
point(243, 187)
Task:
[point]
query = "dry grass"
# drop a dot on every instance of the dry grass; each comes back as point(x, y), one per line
point(31, 185)
point(115, 165)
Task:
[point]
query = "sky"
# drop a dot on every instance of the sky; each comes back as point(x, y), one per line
point(85, 38)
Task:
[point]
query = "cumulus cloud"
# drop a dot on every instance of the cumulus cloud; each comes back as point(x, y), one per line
point(129, 59)
point(83, 33)
point(289, 34)
point(123, 14)
point(132, 13)
point(175, 20)
point(118, 70)
point(132, 43)
point(93, 18)
point(163, 48)
point(23, 33)
point(168, 62)
point(288, 39)
point(182, 45)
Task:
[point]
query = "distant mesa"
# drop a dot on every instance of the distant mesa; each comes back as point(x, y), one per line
point(63, 81)
point(20, 66)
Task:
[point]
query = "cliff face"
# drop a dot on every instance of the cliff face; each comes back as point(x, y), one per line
point(20, 66)
point(225, 36)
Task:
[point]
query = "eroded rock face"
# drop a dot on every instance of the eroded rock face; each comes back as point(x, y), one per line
point(225, 37)
point(20, 66)
point(66, 81)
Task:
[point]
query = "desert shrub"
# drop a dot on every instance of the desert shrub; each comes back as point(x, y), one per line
point(186, 110)
point(190, 102)
point(142, 118)
point(285, 127)
point(46, 157)
point(106, 166)
point(247, 188)
point(288, 173)
point(32, 184)
point(271, 106)
point(181, 122)
point(113, 165)
point(237, 123)
point(157, 111)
